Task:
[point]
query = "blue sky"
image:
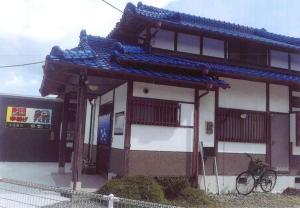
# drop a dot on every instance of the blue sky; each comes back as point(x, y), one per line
point(29, 28)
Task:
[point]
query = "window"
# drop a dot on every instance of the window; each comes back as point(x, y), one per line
point(241, 126)
point(295, 62)
point(188, 43)
point(279, 59)
point(119, 123)
point(247, 53)
point(213, 47)
point(164, 39)
point(155, 112)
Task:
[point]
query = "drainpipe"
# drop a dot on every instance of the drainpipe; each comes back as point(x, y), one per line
point(91, 133)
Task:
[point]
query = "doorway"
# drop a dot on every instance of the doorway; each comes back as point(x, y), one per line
point(280, 131)
point(104, 138)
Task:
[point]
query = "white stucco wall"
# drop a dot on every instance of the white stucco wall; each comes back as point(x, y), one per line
point(187, 114)
point(188, 43)
point(120, 101)
point(207, 113)
point(107, 97)
point(279, 98)
point(239, 147)
point(242, 94)
point(159, 138)
point(213, 47)
point(295, 62)
point(163, 92)
point(164, 39)
point(88, 121)
point(279, 59)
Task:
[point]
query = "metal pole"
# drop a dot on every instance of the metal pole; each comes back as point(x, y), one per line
point(217, 174)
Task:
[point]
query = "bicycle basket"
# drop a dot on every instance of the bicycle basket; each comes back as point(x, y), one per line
point(253, 167)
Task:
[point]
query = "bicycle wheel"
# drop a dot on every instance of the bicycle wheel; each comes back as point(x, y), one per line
point(245, 183)
point(268, 180)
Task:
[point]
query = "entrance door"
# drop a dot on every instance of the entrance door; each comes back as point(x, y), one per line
point(280, 142)
point(104, 138)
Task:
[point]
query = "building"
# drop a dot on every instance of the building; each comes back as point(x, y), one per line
point(163, 81)
point(29, 130)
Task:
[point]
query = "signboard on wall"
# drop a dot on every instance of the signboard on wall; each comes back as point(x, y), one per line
point(23, 117)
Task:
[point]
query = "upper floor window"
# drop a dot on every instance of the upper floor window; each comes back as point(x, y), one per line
point(213, 47)
point(295, 61)
point(279, 59)
point(188, 43)
point(247, 53)
point(164, 39)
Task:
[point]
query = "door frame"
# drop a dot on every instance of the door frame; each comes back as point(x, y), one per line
point(108, 108)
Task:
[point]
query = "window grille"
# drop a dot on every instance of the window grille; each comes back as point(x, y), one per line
point(155, 112)
point(241, 126)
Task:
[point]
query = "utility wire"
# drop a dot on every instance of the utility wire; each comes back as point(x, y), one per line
point(112, 6)
point(26, 64)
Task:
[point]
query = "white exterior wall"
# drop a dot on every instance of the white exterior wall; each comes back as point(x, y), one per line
point(120, 102)
point(88, 121)
point(107, 97)
point(240, 147)
point(162, 138)
point(213, 47)
point(164, 39)
point(188, 43)
point(227, 184)
point(279, 98)
point(279, 59)
point(295, 149)
point(295, 62)
point(163, 92)
point(207, 113)
point(246, 95)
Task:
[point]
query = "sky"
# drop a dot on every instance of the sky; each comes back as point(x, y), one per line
point(30, 28)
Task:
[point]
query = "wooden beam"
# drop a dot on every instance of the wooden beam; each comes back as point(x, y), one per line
point(63, 134)
point(195, 165)
point(79, 133)
point(128, 127)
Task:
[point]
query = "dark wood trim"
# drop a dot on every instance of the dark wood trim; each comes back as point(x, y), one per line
point(128, 127)
point(290, 99)
point(268, 131)
point(163, 100)
point(79, 133)
point(63, 132)
point(195, 160)
point(297, 129)
point(289, 61)
point(226, 50)
point(201, 45)
point(217, 127)
point(112, 89)
point(175, 40)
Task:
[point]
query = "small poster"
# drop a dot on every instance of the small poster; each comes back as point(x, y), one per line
point(23, 117)
point(104, 129)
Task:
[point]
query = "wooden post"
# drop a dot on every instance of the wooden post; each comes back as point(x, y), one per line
point(63, 135)
point(195, 165)
point(79, 133)
point(128, 127)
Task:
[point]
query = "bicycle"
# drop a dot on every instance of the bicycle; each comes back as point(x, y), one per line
point(258, 173)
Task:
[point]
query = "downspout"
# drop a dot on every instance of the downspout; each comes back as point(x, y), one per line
point(196, 135)
point(91, 133)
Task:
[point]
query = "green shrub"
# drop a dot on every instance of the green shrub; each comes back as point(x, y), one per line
point(173, 185)
point(135, 187)
point(194, 196)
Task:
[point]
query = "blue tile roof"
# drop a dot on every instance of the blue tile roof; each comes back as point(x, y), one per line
point(134, 14)
point(110, 55)
point(102, 53)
